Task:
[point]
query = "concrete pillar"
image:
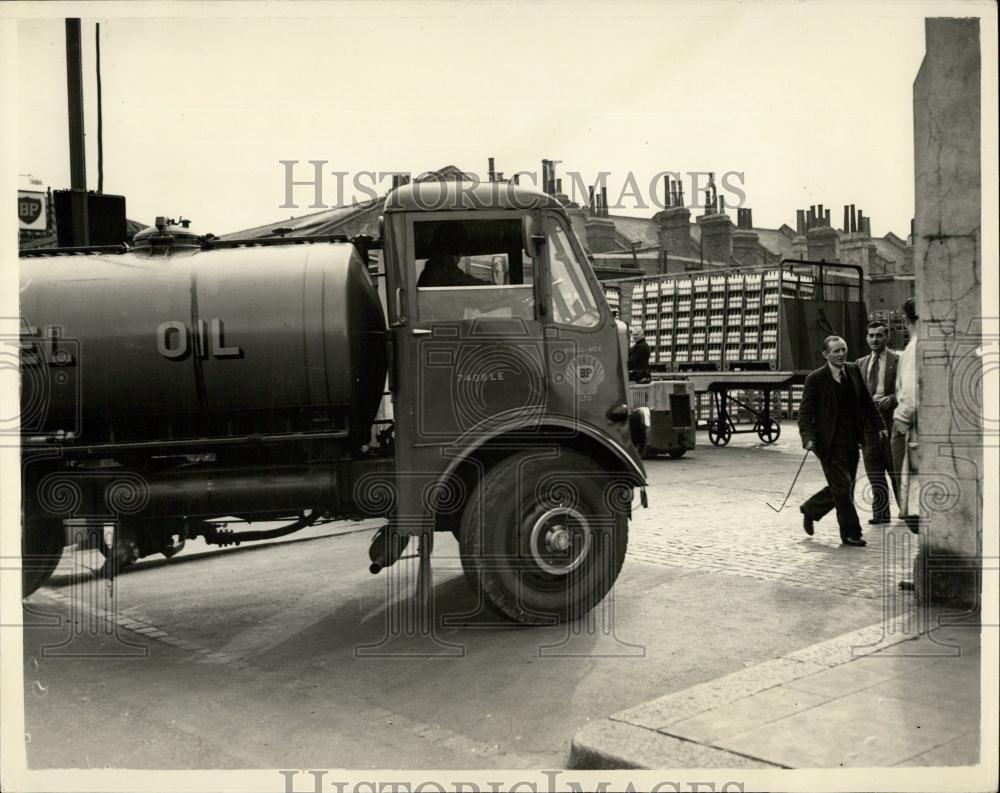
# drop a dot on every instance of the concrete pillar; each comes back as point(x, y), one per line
point(948, 258)
point(716, 237)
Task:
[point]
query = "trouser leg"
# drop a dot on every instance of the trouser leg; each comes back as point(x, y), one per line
point(876, 463)
point(897, 446)
point(891, 469)
point(841, 468)
point(818, 504)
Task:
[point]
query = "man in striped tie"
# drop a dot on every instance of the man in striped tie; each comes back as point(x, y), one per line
point(879, 371)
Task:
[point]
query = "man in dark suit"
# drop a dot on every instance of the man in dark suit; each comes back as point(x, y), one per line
point(638, 358)
point(834, 409)
point(878, 370)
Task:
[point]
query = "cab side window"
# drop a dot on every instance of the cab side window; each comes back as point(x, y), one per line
point(572, 298)
point(466, 269)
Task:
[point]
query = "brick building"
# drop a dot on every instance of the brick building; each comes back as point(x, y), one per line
point(675, 239)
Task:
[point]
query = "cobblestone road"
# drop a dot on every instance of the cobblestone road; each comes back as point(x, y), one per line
point(710, 512)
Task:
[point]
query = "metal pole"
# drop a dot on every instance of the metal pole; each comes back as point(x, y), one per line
point(100, 117)
point(77, 150)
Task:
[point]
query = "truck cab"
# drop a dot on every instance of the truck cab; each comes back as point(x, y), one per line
point(508, 374)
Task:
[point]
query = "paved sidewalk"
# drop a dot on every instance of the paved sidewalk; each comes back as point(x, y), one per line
point(886, 695)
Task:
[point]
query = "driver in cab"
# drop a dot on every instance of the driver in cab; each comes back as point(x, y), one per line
point(442, 268)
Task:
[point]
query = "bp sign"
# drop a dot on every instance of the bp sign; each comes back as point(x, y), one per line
point(31, 214)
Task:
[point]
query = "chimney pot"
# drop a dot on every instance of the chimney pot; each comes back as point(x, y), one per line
point(604, 202)
point(559, 185)
point(492, 174)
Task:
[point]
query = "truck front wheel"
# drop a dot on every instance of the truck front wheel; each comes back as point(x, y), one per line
point(543, 538)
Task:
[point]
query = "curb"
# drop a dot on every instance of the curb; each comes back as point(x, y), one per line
point(638, 737)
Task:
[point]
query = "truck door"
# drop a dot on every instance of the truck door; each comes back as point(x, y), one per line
point(474, 350)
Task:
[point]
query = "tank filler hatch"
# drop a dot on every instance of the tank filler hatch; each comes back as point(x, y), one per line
point(167, 237)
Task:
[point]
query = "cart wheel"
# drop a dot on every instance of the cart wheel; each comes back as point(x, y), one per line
point(769, 432)
point(676, 452)
point(719, 433)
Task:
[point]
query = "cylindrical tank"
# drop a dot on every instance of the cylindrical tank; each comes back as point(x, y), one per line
point(218, 344)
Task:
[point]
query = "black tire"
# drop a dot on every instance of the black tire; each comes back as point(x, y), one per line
point(769, 432)
point(719, 433)
point(676, 452)
point(41, 550)
point(526, 507)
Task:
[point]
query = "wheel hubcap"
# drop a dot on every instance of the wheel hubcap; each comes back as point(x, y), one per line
point(560, 540)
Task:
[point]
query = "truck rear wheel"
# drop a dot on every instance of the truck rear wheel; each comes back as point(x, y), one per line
point(41, 550)
point(543, 539)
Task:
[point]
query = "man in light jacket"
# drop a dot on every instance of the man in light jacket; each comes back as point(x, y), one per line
point(903, 439)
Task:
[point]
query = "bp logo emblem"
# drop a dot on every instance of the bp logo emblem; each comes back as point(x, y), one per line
point(28, 209)
point(586, 373)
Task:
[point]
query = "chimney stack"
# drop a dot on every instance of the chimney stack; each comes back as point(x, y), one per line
point(716, 227)
point(746, 241)
point(600, 230)
point(821, 239)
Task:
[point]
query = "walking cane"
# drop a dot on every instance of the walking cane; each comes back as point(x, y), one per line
point(796, 479)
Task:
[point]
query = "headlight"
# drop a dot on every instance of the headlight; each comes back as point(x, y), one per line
point(639, 424)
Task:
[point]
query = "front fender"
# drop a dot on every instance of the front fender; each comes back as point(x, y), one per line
point(521, 433)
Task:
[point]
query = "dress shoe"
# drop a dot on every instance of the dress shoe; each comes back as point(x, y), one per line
point(877, 521)
point(857, 542)
point(807, 523)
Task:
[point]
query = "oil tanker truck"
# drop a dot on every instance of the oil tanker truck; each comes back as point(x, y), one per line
point(474, 382)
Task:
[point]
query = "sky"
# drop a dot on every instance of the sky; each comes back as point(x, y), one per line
point(801, 103)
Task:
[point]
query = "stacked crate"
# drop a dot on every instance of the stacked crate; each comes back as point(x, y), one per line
point(613, 294)
point(713, 318)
